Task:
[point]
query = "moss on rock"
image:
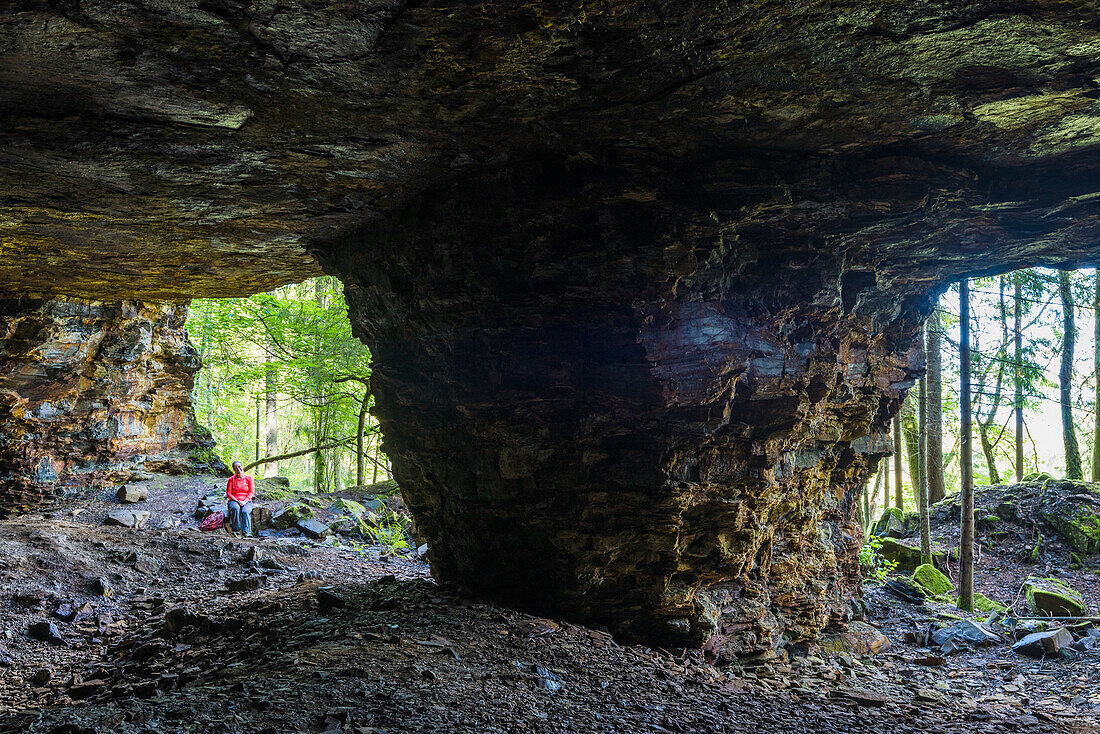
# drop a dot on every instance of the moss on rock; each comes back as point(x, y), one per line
point(1053, 597)
point(906, 556)
point(983, 603)
point(1077, 521)
point(929, 578)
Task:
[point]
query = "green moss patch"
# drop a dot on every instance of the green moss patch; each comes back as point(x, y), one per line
point(983, 603)
point(930, 579)
point(1053, 598)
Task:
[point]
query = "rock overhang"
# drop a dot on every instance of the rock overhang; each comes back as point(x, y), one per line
point(640, 280)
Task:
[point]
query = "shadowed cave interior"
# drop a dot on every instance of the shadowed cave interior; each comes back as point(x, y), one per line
point(641, 281)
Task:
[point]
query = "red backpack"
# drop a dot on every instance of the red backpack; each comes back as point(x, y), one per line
point(213, 521)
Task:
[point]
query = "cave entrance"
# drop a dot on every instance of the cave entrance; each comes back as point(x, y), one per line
point(1034, 365)
point(285, 386)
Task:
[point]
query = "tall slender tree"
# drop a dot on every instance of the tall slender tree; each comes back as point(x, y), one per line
point(1096, 376)
point(898, 450)
point(922, 478)
point(933, 429)
point(271, 417)
point(1065, 378)
point(1018, 370)
point(966, 492)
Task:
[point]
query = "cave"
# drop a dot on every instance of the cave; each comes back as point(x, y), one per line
point(641, 280)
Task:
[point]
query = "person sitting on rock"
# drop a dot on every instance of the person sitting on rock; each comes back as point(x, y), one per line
point(239, 490)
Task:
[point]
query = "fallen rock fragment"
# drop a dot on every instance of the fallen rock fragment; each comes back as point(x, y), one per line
point(328, 598)
point(1042, 644)
point(1052, 597)
point(862, 696)
point(128, 495)
point(102, 587)
point(962, 634)
point(314, 529)
point(859, 639)
point(135, 519)
point(47, 632)
point(248, 583)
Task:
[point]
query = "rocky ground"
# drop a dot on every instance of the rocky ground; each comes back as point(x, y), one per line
point(345, 638)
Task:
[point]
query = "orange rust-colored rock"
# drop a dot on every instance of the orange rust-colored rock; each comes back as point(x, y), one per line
point(91, 391)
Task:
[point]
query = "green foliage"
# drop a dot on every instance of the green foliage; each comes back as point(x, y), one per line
point(871, 561)
point(296, 344)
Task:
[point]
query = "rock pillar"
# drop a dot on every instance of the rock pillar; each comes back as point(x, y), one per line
point(89, 392)
point(605, 409)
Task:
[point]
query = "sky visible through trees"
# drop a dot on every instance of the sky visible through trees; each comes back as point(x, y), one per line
point(992, 301)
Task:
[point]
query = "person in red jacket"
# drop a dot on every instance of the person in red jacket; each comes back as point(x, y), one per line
point(239, 490)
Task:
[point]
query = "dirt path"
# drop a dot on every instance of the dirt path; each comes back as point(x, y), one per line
point(375, 646)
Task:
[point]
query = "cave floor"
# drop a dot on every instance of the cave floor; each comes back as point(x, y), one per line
point(375, 646)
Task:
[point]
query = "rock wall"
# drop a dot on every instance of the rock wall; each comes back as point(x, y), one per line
point(673, 447)
point(91, 391)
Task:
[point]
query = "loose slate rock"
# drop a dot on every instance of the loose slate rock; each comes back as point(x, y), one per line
point(328, 598)
point(46, 631)
point(248, 583)
point(1041, 644)
point(965, 632)
point(314, 529)
point(127, 518)
point(128, 495)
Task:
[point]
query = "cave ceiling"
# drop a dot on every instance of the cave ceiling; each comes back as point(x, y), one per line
point(165, 150)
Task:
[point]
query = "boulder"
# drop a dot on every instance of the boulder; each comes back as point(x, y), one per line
point(127, 518)
point(907, 555)
point(859, 639)
point(931, 580)
point(128, 495)
point(964, 633)
point(314, 529)
point(1050, 597)
point(348, 507)
point(892, 524)
point(1041, 644)
point(290, 516)
point(1076, 518)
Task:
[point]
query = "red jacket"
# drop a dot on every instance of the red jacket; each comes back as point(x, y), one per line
point(240, 489)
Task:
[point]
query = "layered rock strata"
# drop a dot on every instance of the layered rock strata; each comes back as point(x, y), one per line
point(91, 391)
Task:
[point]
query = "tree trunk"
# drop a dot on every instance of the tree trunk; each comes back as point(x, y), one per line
point(1096, 373)
point(886, 482)
point(1065, 379)
point(922, 481)
point(966, 492)
point(933, 429)
point(910, 432)
point(987, 451)
point(360, 443)
point(271, 419)
point(377, 443)
point(898, 499)
point(259, 429)
point(1018, 375)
